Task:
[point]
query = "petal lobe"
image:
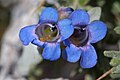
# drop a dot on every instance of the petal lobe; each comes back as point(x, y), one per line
point(66, 28)
point(49, 14)
point(27, 34)
point(51, 51)
point(71, 53)
point(80, 17)
point(97, 30)
point(88, 57)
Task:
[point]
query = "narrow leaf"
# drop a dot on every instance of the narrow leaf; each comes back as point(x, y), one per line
point(83, 2)
point(115, 75)
point(112, 54)
point(94, 13)
point(115, 61)
point(116, 69)
point(117, 30)
point(115, 72)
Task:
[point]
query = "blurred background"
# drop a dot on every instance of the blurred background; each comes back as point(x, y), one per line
point(21, 63)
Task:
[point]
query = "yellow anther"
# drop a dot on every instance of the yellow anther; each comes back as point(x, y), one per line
point(45, 38)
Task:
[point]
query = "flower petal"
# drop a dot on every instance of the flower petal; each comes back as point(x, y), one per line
point(65, 12)
point(97, 30)
point(38, 43)
point(72, 53)
point(66, 29)
point(51, 51)
point(88, 57)
point(27, 34)
point(49, 15)
point(66, 42)
point(79, 17)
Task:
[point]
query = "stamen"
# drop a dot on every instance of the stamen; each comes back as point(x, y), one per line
point(45, 38)
point(47, 32)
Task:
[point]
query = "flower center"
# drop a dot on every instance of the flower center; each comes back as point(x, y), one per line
point(47, 32)
point(80, 36)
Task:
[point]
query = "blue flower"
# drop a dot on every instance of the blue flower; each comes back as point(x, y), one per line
point(79, 43)
point(48, 33)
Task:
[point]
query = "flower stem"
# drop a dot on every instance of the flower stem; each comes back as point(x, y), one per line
point(105, 74)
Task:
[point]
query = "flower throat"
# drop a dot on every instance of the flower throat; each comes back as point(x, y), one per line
point(80, 36)
point(47, 32)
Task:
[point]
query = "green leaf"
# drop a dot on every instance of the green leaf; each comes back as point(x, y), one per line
point(115, 72)
point(112, 54)
point(119, 45)
point(117, 30)
point(115, 75)
point(116, 69)
point(94, 13)
point(116, 8)
point(83, 2)
point(115, 61)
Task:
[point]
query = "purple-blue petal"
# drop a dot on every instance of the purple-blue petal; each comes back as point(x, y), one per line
point(72, 53)
point(97, 30)
point(88, 57)
point(80, 17)
point(66, 28)
point(38, 43)
point(66, 42)
point(51, 51)
point(67, 10)
point(49, 14)
point(27, 34)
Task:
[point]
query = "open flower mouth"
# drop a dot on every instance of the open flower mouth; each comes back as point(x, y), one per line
point(47, 32)
point(80, 36)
